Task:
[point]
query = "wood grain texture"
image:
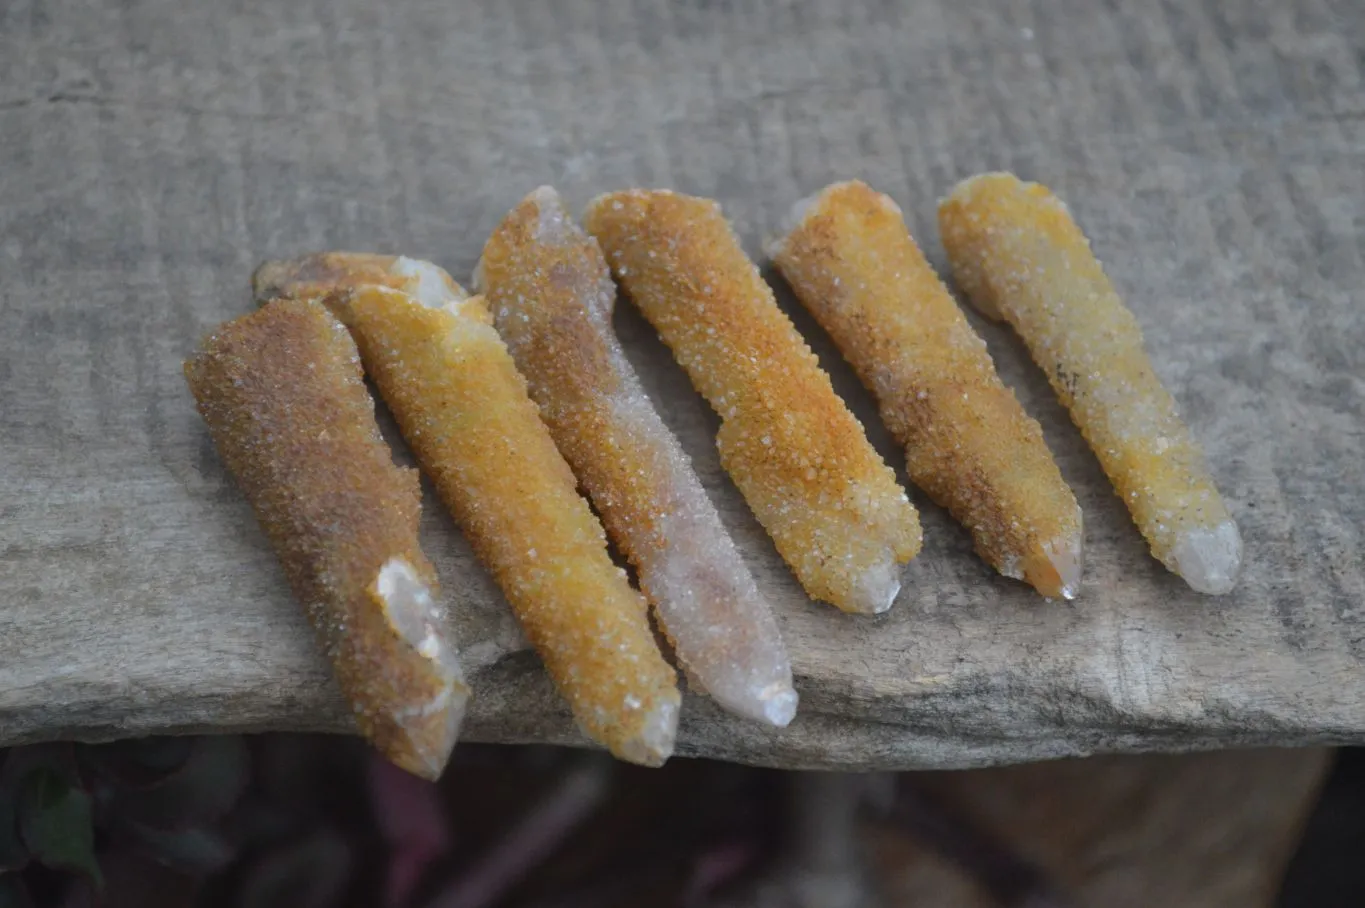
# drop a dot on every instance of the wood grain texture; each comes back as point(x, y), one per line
point(152, 153)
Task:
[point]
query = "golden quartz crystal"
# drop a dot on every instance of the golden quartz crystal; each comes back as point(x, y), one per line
point(282, 395)
point(850, 259)
point(463, 408)
point(1018, 256)
point(551, 295)
point(799, 457)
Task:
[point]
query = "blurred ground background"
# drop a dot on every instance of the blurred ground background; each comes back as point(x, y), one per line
point(317, 822)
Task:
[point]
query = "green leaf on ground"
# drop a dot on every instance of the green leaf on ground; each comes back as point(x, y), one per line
point(55, 823)
point(13, 854)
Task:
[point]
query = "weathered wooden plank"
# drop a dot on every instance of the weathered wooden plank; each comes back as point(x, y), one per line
point(151, 155)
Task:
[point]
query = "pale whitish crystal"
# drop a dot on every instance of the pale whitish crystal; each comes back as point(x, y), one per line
point(1209, 560)
point(878, 587)
point(427, 283)
point(779, 703)
point(412, 612)
point(551, 290)
point(654, 743)
point(413, 615)
point(1067, 559)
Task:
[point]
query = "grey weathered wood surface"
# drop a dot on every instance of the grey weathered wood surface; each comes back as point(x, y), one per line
point(152, 152)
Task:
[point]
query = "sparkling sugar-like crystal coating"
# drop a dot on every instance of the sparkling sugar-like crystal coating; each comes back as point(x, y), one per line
point(463, 408)
point(281, 392)
point(551, 296)
point(1018, 255)
point(799, 457)
point(851, 261)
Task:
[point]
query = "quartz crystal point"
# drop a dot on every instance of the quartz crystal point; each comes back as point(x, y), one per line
point(551, 296)
point(799, 457)
point(463, 408)
point(851, 261)
point(282, 395)
point(1018, 256)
